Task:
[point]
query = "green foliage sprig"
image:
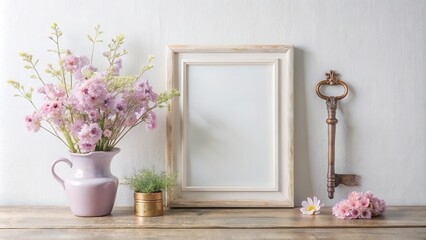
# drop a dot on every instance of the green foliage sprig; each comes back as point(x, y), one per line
point(150, 181)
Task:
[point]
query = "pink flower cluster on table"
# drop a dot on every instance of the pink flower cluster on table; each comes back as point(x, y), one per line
point(359, 205)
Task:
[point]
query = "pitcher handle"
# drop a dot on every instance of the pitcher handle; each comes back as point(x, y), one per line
point(52, 169)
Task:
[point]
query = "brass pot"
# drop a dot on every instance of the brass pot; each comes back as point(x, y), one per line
point(148, 204)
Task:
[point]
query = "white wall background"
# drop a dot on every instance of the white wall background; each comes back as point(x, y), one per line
point(378, 46)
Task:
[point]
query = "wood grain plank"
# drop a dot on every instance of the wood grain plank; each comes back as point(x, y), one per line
point(123, 218)
point(177, 234)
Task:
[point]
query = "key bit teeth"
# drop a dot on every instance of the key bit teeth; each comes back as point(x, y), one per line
point(346, 179)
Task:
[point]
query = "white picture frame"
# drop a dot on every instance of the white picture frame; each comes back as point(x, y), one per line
point(230, 133)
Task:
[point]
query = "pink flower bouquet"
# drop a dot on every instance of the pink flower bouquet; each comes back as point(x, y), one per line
point(88, 109)
point(359, 205)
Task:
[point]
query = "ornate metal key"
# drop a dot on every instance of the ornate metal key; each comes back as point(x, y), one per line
point(333, 179)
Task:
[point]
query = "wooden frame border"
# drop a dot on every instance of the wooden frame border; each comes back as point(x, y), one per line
point(172, 52)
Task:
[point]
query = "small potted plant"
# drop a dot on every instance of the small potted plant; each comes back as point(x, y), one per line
point(148, 185)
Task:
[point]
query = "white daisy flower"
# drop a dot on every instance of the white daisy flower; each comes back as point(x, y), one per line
point(311, 207)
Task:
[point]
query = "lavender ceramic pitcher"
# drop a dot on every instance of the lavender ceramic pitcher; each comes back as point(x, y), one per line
point(91, 188)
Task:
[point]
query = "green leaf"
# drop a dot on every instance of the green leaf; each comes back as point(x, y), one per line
point(29, 94)
point(14, 84)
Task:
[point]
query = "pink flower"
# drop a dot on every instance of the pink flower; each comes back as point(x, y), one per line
point(76, 127)
point(121, 107)
point(109, 102)
point(355, 213)
point(89, 134)
point(86, 147)
point(355, 196)
point(343, 211)
point(93, 130)
point(86, 72)
point(131, 120)
point(368, 194)
point(53, 111)
point(107, 133)
point(83, 61)
point(378, 206)
point(143, 92)
point(51, 108)
point(32, 122)
point(116, 67)
point(71, 63)
point(93, 115)
point(75, 64)
point(52, 92)
point(366, 213)
point(364, 202)
point(91, 94)
point(151, 120)
point(353, 203)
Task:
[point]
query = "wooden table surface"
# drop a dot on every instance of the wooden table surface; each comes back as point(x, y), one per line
point(59, 223)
